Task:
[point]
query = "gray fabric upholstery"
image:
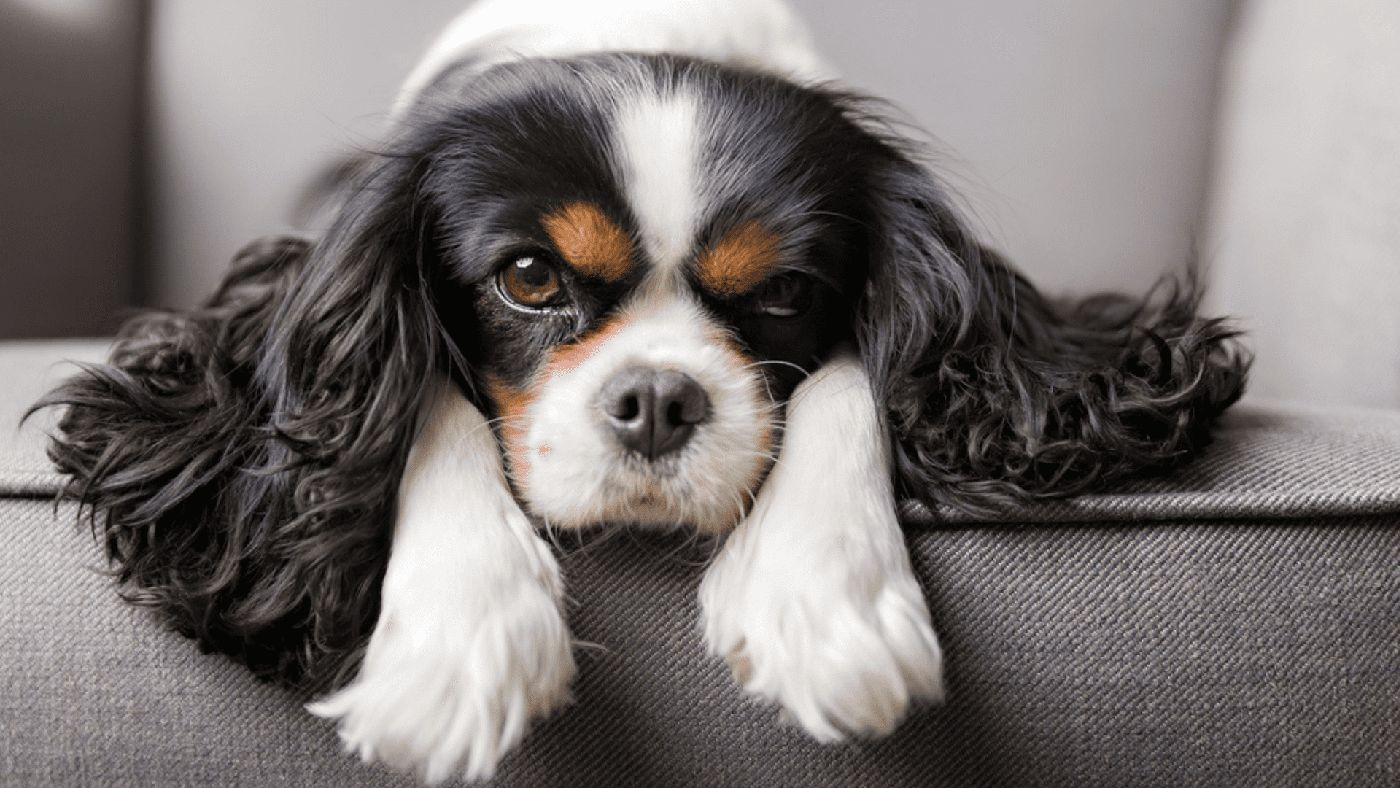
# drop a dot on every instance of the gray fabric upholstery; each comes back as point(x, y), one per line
point(1226, 653)
point(1268, 460)
point(1235, 624)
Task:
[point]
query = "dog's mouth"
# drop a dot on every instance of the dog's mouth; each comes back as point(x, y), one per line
point(655, 486)
point(659, 471)
point(680, 491)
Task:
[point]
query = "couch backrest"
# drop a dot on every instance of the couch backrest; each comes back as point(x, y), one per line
point(69, 112)
point(1078, 131)
point(1306, 216)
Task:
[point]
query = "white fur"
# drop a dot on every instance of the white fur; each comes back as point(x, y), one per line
point(813, 601)
point(763, 34)
point(576, 474)
point(470, 646)
point(579, 475)
point(658, 140)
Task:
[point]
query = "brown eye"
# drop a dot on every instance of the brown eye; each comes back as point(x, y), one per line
point(786, 295)
point(530, 282)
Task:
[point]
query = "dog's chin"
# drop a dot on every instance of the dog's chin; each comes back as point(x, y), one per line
point(668, 494)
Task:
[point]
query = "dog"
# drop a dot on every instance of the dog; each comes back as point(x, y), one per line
point(620, 262)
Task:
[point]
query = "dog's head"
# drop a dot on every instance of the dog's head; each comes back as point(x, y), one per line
point(639, 257)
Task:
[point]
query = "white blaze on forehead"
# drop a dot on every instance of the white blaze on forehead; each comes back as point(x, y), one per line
point(658, 139)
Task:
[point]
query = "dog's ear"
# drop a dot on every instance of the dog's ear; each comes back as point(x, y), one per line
point(241, 459)
point(995, 393)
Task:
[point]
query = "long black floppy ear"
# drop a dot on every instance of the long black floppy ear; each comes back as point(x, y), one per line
point(241, 459)
point(996, 393)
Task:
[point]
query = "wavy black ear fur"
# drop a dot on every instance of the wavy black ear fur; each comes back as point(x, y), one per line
point(997, 394)
point(241, 460)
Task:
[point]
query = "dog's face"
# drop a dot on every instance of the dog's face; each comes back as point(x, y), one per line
point(641, 257)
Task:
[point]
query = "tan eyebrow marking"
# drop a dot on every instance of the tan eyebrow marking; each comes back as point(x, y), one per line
point(741, 259)
point(590, 242)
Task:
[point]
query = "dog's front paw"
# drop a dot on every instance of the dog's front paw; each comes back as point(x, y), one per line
point(844, 646)
point(444, 692)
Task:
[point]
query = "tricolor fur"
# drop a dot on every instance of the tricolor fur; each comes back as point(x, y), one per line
point(333, 469)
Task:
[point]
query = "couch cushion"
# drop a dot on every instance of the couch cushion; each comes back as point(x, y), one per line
point(1221, 653)
point(1269, 460)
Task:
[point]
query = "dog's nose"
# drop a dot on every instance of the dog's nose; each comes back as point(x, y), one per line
point(653, 411)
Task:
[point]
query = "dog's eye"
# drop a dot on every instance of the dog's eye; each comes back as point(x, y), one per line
point(531, 282)
point(785, 295)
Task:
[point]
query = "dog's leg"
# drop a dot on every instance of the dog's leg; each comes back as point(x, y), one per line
point(812, 601)
point(470, 645)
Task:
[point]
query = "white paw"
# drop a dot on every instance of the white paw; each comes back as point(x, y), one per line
point(450, 690)
point(842, 643)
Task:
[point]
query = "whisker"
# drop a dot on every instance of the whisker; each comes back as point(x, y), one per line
point(775, 363)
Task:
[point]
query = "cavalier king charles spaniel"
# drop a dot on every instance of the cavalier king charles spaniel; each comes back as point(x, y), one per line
point(619, 261)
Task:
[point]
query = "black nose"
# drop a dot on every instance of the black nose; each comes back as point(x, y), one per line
point(653, 411)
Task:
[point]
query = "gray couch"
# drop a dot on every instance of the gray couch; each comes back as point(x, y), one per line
point(1235, 624)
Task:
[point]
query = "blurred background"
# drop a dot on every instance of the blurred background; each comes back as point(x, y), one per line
point(1099, 142)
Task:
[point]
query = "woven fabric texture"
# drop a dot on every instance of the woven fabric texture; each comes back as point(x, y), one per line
point(1215, 653)
point(1268, 460)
